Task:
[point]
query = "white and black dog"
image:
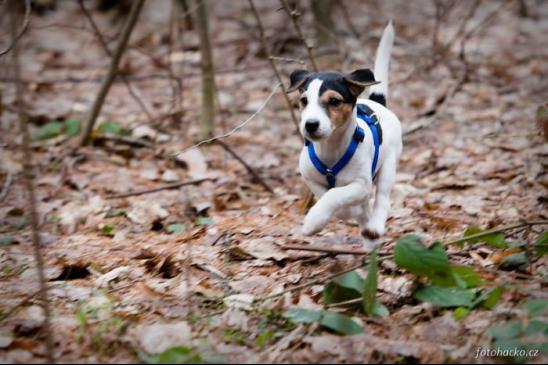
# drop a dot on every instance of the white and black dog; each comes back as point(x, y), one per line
point(351, 144)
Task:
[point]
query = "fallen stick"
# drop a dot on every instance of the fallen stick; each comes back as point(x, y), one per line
point(314, 282)
point(125, 140)
point(325, 249)
point(244, 164)
point(155, 190)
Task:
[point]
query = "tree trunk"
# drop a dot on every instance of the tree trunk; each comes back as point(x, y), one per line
point(208, 75)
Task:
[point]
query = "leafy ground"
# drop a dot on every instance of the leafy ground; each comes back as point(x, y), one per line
point(189, 270)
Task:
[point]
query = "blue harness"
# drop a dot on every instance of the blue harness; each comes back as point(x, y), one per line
point(366, 114)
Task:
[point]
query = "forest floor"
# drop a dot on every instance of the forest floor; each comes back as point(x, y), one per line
point(130, 277)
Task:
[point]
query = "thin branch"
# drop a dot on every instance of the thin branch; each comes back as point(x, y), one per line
point(329, 250)
point(294, 15)
point(126, 140)
point(113, 70)
point(348, 20)
point(314, 282)
point(28, 175)
point(7, 185)
point(264, 44)
point(496, 230)
point(23, 29)
point(104, 44)
point(155, 190)
point(287, 59)
point(235, 129)
point(207, 114)
point(257, 177)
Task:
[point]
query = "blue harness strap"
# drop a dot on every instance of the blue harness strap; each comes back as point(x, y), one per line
point(367, 115)
point(330, 174)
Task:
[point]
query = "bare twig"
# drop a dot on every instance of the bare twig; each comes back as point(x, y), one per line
point(287, 59)
point(28, 175)
point(104, 44)
point(19, 34)
point(330, 250)
point(22, 303)
point(249, 169)
point(496, 230)
point(154, 190)
point(314, 282)
point(294, 15)
point(7, 185)
point(208, 74)
point(126, 140)
point(264, 44)
point(235, 129)
point(113, 70)
point(348, 19)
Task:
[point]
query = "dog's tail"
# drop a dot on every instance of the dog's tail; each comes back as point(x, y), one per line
point(379, 92)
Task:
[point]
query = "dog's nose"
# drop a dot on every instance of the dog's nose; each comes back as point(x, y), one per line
point(312, 125)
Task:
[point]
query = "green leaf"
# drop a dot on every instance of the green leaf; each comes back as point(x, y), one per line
point(82, 317)
point(108, 229)
point(445, 297)
point(505, 331)
point(175, 355)
point(466, 277)
point(48, 130)
point(370, 288)
point(110, 128)
point(492, 239)
point(536, 307)
point(340, 323)
point(328, 319)
point(344, 287)
point(175, 228)
point(300, 315)
point(380, 310)
point(536, 327)
point(115, 213)
point(264, 337)
point(460, 313)
point(6, 240)
point(204, 221)
point(542, 244)
point(514, 261)
point(492, 297)
point(72, 127)
point(416, 258)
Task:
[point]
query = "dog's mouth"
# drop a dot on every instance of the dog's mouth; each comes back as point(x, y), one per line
point(314, 136)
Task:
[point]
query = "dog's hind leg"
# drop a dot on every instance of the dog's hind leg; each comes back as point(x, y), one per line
point(374, 228)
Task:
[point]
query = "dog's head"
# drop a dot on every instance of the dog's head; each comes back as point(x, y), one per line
point(327, 99)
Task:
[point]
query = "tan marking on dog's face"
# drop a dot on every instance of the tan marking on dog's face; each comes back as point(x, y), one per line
point(339, 113)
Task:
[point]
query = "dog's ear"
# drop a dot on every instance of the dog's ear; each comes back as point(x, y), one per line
point(297, 79)
point(358, 80)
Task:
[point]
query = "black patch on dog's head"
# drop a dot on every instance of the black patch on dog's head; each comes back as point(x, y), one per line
point(350, 86)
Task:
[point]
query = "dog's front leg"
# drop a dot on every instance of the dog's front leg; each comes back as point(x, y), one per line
point(333, 200)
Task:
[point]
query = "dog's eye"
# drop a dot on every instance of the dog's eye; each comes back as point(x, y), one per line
point(335, 102)
point(304, 101)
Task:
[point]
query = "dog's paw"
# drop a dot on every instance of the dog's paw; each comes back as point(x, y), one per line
point(369, 244)
point(314, 221)
point(370, 234)
point(373, 230)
